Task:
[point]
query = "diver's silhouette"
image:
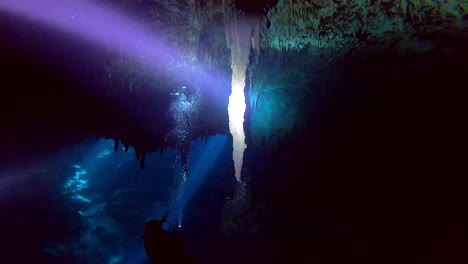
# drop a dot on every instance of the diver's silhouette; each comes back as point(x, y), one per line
point(161, 244)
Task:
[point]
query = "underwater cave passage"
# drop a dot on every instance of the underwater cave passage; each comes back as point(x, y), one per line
point(125, 129)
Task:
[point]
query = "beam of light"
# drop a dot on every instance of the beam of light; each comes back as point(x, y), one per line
point(93, 22)
point(242, 31)
point(112, 30)
point(181, 214)
point(204, 156)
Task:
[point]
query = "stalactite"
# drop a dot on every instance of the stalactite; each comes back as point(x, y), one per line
point(242, 32)
point(142, 160)
point(116, 144)
point(137, 153)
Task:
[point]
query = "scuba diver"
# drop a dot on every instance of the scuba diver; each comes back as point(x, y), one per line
point(186, 95)
point(181, 94)
point(162, 245)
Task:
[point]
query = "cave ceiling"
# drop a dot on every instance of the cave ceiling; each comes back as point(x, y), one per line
point(309, 36)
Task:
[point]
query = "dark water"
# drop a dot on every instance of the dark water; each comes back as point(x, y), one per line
point(376, 175)
point(89, 204)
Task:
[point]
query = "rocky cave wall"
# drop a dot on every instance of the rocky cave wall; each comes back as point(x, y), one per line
point(305, 45)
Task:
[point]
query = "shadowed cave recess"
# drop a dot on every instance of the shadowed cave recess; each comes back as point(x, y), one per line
point(114, 112)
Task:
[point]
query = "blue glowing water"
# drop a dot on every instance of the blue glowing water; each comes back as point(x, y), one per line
point(105, 199)
point(202, 159)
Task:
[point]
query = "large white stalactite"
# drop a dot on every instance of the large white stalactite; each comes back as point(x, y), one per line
point(241, 31)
